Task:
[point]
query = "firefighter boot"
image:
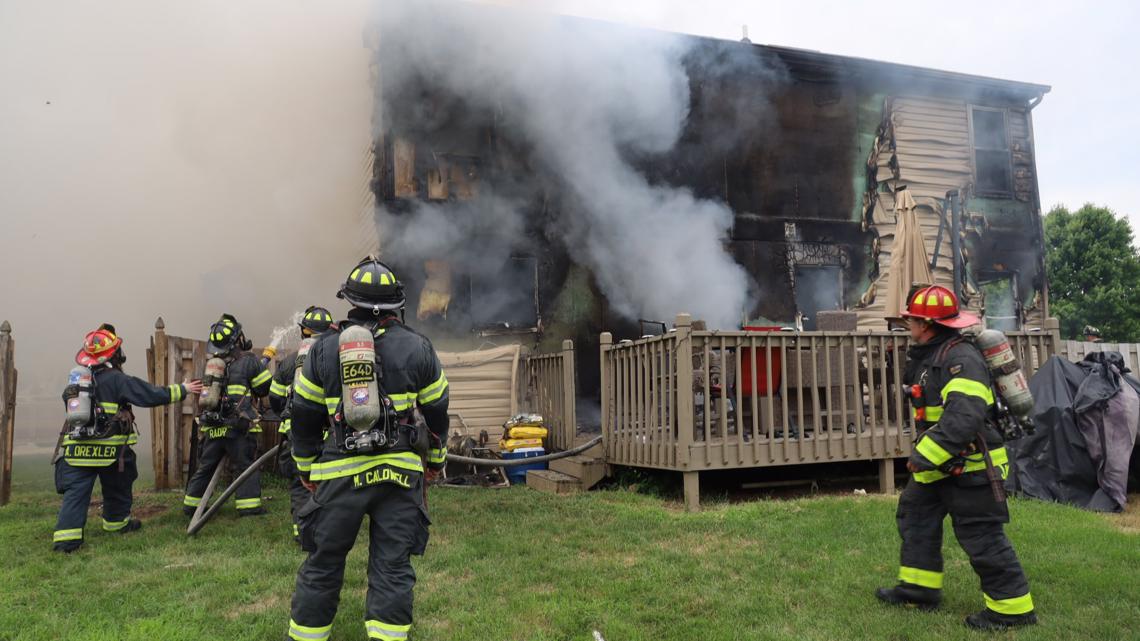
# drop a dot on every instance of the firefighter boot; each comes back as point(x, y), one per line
point(910, 596)
point(989, 620)
point(131, 526)
point(67, 547)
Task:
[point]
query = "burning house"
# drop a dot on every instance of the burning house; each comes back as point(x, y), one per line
point(555, 178)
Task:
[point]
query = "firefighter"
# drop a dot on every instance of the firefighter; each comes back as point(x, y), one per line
point(1092, 334)
point(953, 401)
point(350, 476)
point(316, 321)
point(226, 430)
point(104, 452)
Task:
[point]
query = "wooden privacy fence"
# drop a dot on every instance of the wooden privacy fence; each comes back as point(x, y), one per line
point(170, 360)
point(7, 409)
point(693, 400)
point(1077, 350)
point(549, 389)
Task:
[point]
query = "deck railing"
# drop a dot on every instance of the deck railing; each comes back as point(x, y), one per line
point(549, 388)
point(695, 400)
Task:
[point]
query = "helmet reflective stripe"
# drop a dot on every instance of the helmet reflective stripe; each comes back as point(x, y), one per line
point(316, 319)
point(373, 285)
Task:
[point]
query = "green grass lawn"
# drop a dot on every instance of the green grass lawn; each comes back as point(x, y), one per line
point(518, 564)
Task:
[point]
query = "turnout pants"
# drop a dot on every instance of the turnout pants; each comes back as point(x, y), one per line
point(298, 495)
point(239, 449)
point(978, 522)
point(76, 483)
point(329, 523)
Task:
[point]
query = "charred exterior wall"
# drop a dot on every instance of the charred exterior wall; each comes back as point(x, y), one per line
point(805, 149)
point(931, 145)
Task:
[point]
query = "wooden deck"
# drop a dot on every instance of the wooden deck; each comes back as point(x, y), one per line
point(694, 401)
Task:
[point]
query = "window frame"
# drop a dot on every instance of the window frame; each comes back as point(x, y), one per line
point(1007, 194)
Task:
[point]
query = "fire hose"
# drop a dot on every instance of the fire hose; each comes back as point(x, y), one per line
point(524, 461)
point(205, 500)
point(197, 522)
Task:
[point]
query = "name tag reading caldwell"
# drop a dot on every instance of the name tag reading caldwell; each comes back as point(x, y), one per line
point(378, 476)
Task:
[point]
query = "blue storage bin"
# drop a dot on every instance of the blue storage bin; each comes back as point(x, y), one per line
point(517, 473)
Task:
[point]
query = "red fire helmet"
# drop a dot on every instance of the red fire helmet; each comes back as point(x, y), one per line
point(98, 348)
point(939, 305)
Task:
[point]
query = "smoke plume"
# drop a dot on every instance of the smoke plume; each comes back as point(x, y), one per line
point(177, 160)
point(588, 101)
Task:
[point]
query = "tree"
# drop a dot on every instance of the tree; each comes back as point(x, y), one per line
point(1094, 272)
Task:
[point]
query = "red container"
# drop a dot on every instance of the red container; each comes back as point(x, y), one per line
point(759, 361)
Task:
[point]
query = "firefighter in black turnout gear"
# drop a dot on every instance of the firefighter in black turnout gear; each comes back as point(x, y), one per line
point(375, 469)
point(224, 430)
point(316, 321)
point(98, 435)
point(954, 410)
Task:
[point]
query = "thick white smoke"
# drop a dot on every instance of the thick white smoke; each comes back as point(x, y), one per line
point(172, 159)
point(588, 98)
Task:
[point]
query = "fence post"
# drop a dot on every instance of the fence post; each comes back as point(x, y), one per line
point(7, 409)
point(159, 430)
point(1053, 328)
point(569, 396)
point(684, 364)
point(608, 444)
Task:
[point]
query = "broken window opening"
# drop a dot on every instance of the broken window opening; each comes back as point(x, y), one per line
point(818, 288)
point(507, 303)
point(993, 158)
point(1002, 307)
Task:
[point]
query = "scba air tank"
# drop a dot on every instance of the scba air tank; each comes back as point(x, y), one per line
point(360, 395)
point(214, 378)
point(77, 397)
point(1006, 371)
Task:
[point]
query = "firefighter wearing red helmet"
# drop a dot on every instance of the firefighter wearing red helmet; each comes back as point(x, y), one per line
point(98, 435)
point(953, 404)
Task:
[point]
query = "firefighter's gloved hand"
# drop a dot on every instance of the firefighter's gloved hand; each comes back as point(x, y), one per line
point(916, 463)
point(431, 474)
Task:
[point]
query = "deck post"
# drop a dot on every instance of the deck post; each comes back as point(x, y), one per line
point(683, 359)
point(608, 431)
point(692, 481)
point(887, 476)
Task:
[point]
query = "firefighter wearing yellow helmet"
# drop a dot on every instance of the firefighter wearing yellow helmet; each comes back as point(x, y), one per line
point(365, 380)
point(234, 376)
point(314, 322)
point(953, 400)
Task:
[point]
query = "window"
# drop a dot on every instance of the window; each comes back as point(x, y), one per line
point(819, 288)
point(993, 173)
